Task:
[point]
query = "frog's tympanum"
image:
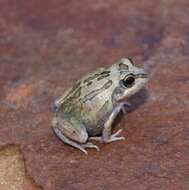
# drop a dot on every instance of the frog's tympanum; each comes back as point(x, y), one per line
point(87, 110)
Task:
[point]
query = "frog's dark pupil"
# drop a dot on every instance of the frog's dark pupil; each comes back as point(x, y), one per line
point(129, 82)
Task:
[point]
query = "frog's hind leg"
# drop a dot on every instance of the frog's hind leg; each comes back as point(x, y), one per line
point(75, 136)
point(66, 140)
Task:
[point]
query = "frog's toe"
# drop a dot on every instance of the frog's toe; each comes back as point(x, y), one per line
point(83, 150)
point(117, 133)
point(90, 145)
point(115, 136)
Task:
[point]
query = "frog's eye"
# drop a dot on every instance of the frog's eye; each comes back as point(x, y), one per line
point(129, 81)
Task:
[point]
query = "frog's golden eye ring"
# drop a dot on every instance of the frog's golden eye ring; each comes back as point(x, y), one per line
point(128, 81)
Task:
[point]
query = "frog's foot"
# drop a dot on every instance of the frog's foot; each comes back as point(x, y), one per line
point(112, 138)
point(90, 145)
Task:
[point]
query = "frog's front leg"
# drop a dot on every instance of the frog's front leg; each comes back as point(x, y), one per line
point(72, 132)
point(106, 133)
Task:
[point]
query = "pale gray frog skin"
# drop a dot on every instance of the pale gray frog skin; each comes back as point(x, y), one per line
point(87, 110)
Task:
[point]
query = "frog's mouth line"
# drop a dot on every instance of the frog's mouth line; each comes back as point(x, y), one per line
point(142, 75)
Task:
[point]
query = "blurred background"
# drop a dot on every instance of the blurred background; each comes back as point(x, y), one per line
point(45, 45)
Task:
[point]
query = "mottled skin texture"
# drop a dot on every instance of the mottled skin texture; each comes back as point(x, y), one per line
point(88, 109)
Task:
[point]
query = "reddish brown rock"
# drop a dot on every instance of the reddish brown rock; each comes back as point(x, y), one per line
point(45, 45)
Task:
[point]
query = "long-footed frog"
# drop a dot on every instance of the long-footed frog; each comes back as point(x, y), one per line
point(87, 110)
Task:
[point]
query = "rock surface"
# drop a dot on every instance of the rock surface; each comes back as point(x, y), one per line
point(45, 45)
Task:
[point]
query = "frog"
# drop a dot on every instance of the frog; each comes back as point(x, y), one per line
point(87, 110)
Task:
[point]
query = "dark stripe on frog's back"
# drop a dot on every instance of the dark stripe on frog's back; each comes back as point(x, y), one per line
point(82, 82)
point(99, 75)
point(70, 100)
point(89, 83)
point(92, 94)
point(89, 80)
point(105, 72)
point(103, 76)
point(91, 76)
point(76, 87)
point(107, 84)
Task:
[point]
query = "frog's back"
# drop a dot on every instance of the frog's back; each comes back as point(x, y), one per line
point(75, 92)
